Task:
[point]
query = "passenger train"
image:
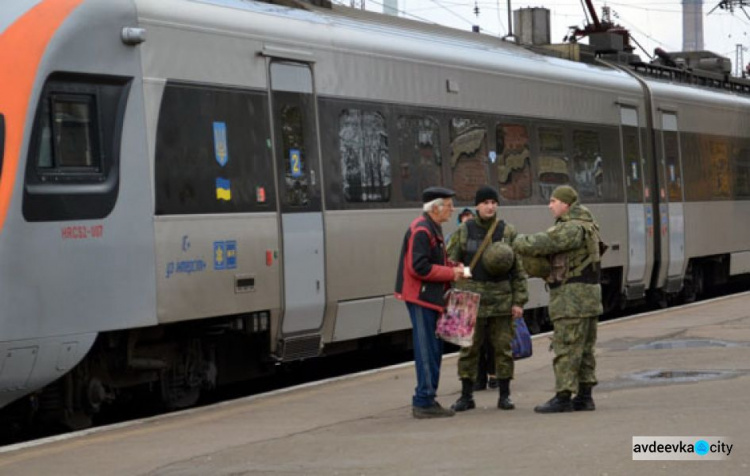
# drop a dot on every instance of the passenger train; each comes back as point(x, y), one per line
point(194, 190)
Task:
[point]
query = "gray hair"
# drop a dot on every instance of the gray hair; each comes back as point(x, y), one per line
point(437, 203)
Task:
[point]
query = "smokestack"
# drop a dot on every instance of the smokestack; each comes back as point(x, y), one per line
point(692, 25)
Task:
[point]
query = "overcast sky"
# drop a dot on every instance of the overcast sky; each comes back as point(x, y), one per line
point(652, 23)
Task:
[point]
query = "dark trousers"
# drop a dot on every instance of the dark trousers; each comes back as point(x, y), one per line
point(428, 354)
point(486, 363)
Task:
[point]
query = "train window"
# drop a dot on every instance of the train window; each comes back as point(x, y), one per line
point(672, 164)
point(631, 149)
point(73, 166)
point(553, 162)
point(72, 130)
point(587, 164)
point(742, 174)
point(513, 162)
point(293, 148)
point(69, 138)
point(420, 158)
point(468, 149)
point(365, 159)
point(212, 151)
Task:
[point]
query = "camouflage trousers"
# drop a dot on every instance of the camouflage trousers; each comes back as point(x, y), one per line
point(499, 330)
point(573, 341)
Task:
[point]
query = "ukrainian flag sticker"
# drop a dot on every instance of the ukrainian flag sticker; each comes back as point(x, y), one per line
point(223, 189)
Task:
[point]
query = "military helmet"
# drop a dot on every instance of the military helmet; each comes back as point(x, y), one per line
point(537, 266)
point(498, 259)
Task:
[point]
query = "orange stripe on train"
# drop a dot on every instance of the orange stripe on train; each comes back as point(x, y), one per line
point(22, 45)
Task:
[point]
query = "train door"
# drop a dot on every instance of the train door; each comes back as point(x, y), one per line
point(671, 198)
point(638, 221)
point(296, 154)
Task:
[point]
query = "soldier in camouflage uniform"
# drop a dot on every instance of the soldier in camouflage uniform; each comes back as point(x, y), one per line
point(572, 245)
point(503, 297)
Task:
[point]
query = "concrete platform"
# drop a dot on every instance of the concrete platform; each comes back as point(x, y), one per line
point(362, 425)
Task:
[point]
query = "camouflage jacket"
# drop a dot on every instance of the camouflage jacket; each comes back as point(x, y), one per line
point(566, 236)
point(497, 298)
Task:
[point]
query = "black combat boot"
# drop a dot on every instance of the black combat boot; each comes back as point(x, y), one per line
point(466, 400)
point(504, 402)
point(583, 402)
point(558, 404)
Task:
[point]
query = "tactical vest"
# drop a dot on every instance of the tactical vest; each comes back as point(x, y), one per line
point(474, 240)
point(582, 265)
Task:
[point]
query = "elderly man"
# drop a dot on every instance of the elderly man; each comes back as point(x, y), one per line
point(572, 246)
point(424, 274)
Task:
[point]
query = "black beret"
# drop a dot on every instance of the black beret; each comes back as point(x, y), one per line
point(431, 193)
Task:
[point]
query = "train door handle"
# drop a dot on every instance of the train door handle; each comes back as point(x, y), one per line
point(317, 285)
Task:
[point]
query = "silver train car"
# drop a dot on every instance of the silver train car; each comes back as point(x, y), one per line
point(194, 190)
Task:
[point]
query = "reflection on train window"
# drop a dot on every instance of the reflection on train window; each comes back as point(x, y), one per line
point(513, 162)
point(69, 136)
point(293, 149)
point(632, 158)
point(365, 160)
point(672, 165)
point(468, 148)
point(742, 174)
point(587, 164)
point(718, 168)
point(553, 163)
point(419, 151)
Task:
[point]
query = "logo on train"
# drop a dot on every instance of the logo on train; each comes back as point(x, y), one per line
point(225, 254)
point(220, 143)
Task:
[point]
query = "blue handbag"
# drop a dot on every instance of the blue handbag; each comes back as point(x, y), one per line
point(521, 343)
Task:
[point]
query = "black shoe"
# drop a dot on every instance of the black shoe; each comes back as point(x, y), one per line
point(558, 404)
point(505, 403)
point(464, 403)
point(583, 402)
point(492, 383)
point(434, 411)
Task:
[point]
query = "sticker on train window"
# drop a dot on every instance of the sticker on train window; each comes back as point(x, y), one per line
point(220, 143)
point(223, 189)
point(295, 163)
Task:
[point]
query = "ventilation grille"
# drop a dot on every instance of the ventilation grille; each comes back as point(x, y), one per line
point(297, 348)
